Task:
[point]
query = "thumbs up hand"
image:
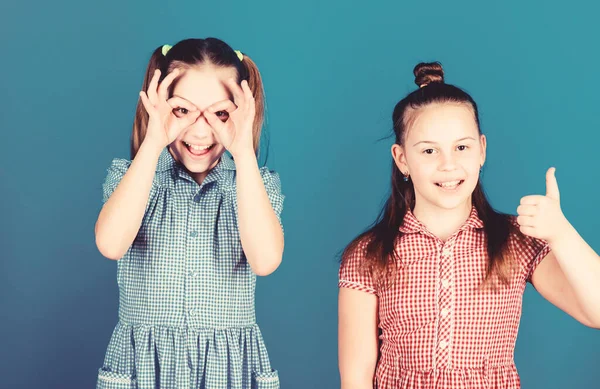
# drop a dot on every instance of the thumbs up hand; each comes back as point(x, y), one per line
point(540, 216)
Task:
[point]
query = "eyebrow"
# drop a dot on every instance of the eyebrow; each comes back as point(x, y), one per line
point(183, 98)
point(435, 143)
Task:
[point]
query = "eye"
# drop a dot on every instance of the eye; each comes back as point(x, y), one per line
point(462, 147)
point(428, 151)
point(179, 112)
point(223, 115)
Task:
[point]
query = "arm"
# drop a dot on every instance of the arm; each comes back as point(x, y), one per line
point(260, 231)
point(569, 277)
point(121, 216)
point(357, 337)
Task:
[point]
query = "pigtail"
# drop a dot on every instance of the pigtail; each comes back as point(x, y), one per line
point(140, 123)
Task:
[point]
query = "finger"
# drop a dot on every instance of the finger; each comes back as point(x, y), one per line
point(189, 119)
point(224, 105)
point(532, 200)
point(527, 221)
point(146, 103)
point(163, 89)
point(529, 231)
point(251, 104)
point(552, 185)
point(527, 210)
point(178, 102)
point(236, 91)
point(216, 124)
point(247, 91)
point(152, 96)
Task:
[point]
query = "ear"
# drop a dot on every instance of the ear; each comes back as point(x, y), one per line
point(400, 158)
point(483, 144)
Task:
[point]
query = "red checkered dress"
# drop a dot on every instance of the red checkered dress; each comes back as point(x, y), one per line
point(439, 329)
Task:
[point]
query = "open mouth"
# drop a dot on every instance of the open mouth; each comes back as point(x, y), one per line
point(198, 150)
point(450, 185)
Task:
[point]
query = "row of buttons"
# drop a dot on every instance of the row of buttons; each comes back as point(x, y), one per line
point(194, 234)
point(445, 312)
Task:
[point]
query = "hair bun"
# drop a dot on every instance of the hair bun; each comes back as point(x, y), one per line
point(427, 73)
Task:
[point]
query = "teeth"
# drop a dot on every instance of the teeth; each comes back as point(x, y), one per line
point(449, 184)
point(198, 148)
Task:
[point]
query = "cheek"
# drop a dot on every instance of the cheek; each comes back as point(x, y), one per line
point(181, 135)
point(469, 160)
point(423, 171)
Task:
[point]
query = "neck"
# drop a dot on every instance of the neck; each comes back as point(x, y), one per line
point(443, 222)
point(198, 177)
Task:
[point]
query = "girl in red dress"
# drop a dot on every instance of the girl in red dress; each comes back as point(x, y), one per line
point(430, 296)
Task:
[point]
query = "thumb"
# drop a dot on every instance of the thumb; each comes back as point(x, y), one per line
point(552, 185)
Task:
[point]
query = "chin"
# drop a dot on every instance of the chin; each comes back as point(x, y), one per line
point(199, 166)
point(451, 205)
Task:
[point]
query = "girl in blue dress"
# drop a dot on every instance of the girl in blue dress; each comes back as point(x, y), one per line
point(192, 226)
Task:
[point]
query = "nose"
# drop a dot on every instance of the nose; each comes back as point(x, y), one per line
point(200, 128)
point(447, 161)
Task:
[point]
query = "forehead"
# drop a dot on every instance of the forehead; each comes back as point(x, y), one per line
point(441, 123)
point(204, 85)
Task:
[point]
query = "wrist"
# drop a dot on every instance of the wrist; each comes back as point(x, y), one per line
point(245, 154)
point(564, 230)
point(151, 146)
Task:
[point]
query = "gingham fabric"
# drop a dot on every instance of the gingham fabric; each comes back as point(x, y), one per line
point(186, 291)
point(439, 329)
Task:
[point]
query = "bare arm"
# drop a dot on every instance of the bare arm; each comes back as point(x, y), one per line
point(260, 231)
point(569, 277)
point(121, 216)
point(357, 337)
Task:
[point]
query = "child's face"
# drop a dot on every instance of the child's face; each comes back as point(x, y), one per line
point(443, 153)
point(197, 147)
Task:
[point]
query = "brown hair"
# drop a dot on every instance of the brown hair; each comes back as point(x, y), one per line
point(195, 52)
point(381, 259)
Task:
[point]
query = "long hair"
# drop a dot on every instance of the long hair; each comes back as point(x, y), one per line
point(380, 239)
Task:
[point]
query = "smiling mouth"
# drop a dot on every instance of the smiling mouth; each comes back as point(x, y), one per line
point(198, 150)
point(450, 185)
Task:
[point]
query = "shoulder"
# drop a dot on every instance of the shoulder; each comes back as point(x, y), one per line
point(269, 175)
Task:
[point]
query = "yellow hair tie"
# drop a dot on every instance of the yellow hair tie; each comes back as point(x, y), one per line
point(165, 49)
point(239, 55)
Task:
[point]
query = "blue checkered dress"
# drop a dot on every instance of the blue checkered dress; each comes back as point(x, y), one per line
point(186, 291)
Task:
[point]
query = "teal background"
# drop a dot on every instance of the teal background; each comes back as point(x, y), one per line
point(333, 72)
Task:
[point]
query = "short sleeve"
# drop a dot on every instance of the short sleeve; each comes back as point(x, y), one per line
point(116, 171)
point(352, 273)
point(530, 252)
point(273, 187)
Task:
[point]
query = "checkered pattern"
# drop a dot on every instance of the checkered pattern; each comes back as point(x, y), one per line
point(439, 328)
point(186, 291)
